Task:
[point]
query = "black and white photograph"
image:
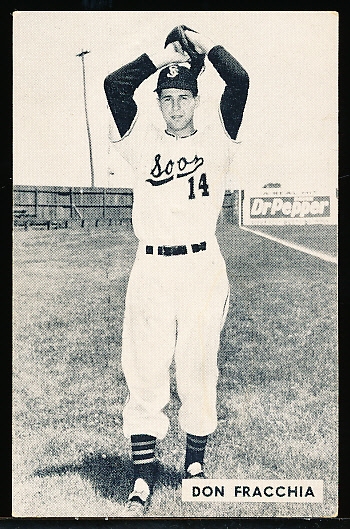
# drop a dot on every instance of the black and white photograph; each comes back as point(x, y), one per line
point(174, 243)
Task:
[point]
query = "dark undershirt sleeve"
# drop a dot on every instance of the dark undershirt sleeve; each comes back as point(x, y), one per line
point(120, 87)
point(234, 98)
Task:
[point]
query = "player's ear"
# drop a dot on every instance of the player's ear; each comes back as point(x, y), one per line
point(197, 101)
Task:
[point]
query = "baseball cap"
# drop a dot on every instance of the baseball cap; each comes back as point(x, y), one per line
point(175, 76)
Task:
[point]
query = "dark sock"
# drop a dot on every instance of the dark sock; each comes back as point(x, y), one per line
point(195, 447)
point(142, 447)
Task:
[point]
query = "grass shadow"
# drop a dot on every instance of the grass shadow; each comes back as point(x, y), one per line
point(111, 476)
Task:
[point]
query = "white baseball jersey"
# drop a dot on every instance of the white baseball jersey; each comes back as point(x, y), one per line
point(179, 183)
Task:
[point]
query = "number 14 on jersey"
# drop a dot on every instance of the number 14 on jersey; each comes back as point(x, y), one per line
point(202, 185)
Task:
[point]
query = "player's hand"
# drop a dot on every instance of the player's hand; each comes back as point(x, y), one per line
point(173, 53)
point(201, 43)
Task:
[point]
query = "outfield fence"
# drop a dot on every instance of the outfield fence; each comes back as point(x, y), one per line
point(64, 207)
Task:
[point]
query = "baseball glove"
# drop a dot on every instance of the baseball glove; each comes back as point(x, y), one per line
point(196, 59)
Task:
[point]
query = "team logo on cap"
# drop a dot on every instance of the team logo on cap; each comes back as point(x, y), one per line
point(173, 71)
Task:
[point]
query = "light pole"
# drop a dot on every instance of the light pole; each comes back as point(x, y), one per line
point(81, 54)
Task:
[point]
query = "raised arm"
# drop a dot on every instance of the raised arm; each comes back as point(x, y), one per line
point(234, 97)
point(120, 85)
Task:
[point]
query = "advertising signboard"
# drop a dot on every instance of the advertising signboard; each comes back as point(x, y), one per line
point(272, 206)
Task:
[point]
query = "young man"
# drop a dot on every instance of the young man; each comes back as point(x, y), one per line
point(178, 291)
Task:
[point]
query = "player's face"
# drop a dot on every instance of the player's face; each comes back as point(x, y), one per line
point(177, 107)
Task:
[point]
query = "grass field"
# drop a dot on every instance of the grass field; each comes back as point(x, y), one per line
point(277, 389)
point(322, 238)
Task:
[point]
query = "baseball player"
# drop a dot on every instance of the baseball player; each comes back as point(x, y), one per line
point(178, 291)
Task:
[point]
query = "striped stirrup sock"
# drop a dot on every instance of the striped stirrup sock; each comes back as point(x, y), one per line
point(142, 448)
point(195, 447)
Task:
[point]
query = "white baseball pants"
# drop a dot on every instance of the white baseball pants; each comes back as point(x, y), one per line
point(175, 305)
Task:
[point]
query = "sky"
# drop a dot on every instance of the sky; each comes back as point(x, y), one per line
point(289, 129)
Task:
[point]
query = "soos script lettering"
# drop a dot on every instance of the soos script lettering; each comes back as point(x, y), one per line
point(164, 173)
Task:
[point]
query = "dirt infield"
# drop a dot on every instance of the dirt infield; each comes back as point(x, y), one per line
point(277, 389)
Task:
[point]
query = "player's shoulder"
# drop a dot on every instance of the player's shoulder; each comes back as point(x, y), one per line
point(155, 131)
point(139, 134)
point(214, 133)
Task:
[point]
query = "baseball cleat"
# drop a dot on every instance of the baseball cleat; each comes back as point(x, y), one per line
point(138, 500)
point(135, 507)
point(195, 471)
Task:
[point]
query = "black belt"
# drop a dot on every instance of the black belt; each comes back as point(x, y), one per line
point(177, 250)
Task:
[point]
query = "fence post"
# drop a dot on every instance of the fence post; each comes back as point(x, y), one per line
point(36, 202)
point(241, 207)
point(71, 202)
point(104, 203)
